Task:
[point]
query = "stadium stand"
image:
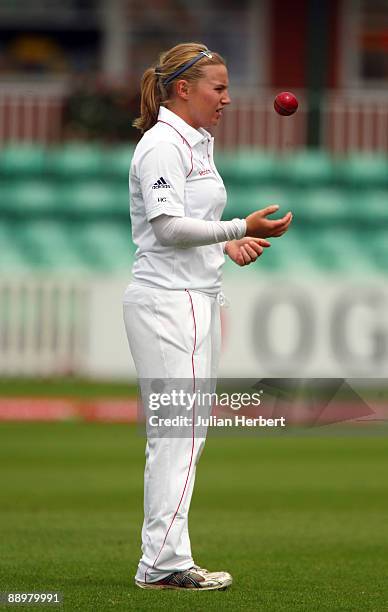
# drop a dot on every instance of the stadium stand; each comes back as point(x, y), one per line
point(324, 205)
point(49, 244)
point(93, 198)
point(246, 167)
point(379, 249)
point(75, 161)
point(116, 163)
point(67, 207)
point(364, 170)
point(22, 160)
point(28, 197)
point(307, 168)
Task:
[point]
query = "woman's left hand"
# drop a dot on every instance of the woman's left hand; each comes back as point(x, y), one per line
point(247, 250)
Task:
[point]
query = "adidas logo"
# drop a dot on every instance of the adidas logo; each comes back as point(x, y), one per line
point(161, 184)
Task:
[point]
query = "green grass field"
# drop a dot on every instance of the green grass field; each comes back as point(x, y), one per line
point(301, 521)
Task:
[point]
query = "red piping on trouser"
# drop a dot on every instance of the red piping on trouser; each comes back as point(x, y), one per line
point(195, 342)
point(192, 442)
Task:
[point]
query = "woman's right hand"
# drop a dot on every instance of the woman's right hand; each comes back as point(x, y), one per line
point(260, 227)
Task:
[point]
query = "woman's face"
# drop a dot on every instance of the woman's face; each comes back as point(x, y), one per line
point(207, 97)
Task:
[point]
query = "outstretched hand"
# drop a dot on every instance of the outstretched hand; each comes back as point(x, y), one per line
point(259, 226)
point(246, 250)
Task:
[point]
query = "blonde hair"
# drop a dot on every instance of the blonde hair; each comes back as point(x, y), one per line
point(154, 92)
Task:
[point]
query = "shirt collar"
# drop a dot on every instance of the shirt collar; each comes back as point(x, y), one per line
point(192, 135)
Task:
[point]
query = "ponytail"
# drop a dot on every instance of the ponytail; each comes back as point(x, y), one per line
point(150, 101)
point(157, 88)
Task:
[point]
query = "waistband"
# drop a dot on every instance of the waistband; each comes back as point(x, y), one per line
point(219, 296)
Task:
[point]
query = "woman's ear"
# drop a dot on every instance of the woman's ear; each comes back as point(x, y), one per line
point(182, 89)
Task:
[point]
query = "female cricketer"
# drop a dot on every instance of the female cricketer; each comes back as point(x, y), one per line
point(172, 305)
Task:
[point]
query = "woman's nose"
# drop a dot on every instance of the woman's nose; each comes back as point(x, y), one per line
point(226, 98)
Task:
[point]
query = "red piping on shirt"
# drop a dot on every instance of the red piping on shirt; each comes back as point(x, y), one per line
point(208, 156)
point(184, 140)
point(192, 441)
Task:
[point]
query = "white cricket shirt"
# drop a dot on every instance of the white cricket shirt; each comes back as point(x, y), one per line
point(173, 173)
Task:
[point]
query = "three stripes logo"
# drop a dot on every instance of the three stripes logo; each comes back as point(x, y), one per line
point(161, 184)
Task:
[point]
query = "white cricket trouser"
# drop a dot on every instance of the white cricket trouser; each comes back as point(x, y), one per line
point(172, 334)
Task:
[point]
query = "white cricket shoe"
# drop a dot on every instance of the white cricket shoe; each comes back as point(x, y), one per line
point(195, 578)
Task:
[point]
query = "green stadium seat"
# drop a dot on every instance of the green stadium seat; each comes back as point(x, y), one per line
point(364, 169)
point(240, 202)
point(76, 160)
point(338, 250)
point(117, 161)
point(324, 205)
point(289, 254)
point(49, 244)
point(244, 200)
point(120, 204)
point(98, 197)
point(306, 168)
point(104, 245)
point(273, 194)
point(378, 248)
point(246, 167)
point(22, 160)
point(12, 259)
point(4, 190)
point(28, 197)
point(370, 206)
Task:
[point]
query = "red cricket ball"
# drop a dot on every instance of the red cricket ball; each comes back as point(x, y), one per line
point(285, 103)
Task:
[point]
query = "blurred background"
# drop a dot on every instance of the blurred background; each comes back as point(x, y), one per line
point(316, 303)
point(300, 511)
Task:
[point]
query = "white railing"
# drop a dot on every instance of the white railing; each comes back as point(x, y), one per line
point(31, 119)
point(251, 122)
point(355, 121)
point(31, 112)
point(351, 120)
point(43, 328)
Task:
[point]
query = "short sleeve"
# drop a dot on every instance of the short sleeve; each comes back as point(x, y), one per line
point(162, 177)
